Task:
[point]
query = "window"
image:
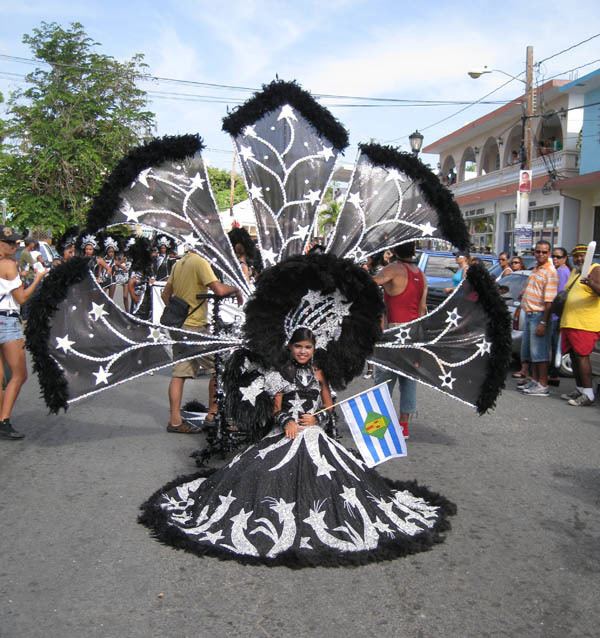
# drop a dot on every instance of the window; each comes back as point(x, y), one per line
point(545, 223)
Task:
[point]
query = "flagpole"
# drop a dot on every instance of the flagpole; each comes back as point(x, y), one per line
point(334, 405)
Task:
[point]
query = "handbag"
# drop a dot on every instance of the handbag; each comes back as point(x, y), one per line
point(558, 305)
point(176, 311)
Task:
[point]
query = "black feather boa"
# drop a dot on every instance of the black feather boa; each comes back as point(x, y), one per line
point(280, 289)
point(278, 93)
point(154, 517)
point(155, 152)
point(43, 304)
point(498, 332)
point(451, 224)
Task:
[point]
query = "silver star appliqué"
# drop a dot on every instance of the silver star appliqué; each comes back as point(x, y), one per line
point(313, 196)
point(403, 335)
point(484, 347)
point(453, 317)
point(447, 380)
point(64, 343)
point(326, 153)
point(197, 182)
point(246, 152)
point(255, 192)
point(252, 391)
point(268, 255)
point(287, 113)
point(102, 375)
point(354, 199)
point(154, 334)
point(428, 228)
point(97, 311)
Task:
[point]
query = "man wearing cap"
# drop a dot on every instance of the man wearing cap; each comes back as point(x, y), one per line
point(536, 300)
point(580, 326)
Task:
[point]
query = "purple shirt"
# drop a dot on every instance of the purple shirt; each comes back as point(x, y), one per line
point(563, 276)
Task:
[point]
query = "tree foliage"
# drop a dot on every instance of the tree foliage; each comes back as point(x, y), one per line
point(80, 113)
point(220, 182)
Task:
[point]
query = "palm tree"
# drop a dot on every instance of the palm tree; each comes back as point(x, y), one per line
point(328, 216)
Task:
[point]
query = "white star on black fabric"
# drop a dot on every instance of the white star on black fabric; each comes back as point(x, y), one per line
point(453, 317)
point(313, 196)
point(354, 199)
point(129, 212)
point(268, 255)
point(154, 334)
point(64, 343)
point(255, 192)
point(252, 391)
point(428, 228)
point(393, 174)
point(447, 380)
point(287, 113)
point(143, 177)
point(102, 376)
point(301, 232)
point(326, 153)
point(249, 131)
point(403, 335)
point(191, 239)
point(297, 406)
point(484, 347)
point(97, 311)
point(246, 152)
point(197, 182)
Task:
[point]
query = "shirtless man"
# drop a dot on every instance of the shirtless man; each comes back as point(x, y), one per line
point(405, 294)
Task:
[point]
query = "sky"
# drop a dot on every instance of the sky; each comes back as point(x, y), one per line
point(370, 48)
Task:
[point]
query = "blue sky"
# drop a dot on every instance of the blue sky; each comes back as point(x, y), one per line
point(346, 47)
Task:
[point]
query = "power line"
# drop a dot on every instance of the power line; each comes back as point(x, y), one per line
point(575, 68)
point(573, 46)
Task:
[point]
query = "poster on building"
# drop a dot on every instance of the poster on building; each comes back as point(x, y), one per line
point(525, 181)
point(523, 237)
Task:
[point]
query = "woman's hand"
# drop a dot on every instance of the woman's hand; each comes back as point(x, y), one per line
point(39, 275)
point(308, 419)
point(291, 429)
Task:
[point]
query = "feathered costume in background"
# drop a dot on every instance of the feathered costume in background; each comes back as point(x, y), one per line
point(287, 144)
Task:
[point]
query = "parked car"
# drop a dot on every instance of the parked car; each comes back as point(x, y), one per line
point(47, 251)
point(439, 266)
point(511, 289)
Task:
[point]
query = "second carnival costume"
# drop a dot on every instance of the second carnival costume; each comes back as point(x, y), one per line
point(307, 500)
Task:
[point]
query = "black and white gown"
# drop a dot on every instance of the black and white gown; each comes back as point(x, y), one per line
point(296, 502)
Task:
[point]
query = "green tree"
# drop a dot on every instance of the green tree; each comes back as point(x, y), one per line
point(220, 182)
point(80, 114)
point(328, 216)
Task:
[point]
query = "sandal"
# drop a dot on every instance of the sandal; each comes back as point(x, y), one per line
point(185, 427)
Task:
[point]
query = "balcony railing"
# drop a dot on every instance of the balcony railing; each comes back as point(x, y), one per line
point(564, 162)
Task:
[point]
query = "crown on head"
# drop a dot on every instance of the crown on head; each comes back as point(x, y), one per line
point(163, 241)
point(322, 313)
point(110, 242)
point(91, 240)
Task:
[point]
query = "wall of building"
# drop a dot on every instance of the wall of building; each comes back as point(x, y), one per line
point(590, 143)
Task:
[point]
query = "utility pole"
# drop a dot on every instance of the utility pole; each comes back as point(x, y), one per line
point(526, 136)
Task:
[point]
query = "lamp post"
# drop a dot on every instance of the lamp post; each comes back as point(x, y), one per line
point(416, 141)
point(526, 148)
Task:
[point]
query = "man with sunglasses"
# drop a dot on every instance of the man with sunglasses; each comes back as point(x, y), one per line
point(536, 300)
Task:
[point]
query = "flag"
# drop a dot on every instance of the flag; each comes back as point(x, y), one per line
point(374, 425)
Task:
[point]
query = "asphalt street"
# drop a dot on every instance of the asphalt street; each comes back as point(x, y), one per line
point(522, 558)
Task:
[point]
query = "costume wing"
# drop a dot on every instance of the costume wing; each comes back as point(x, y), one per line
point(287, 144)
point(393, 198)
point(164, 185)
point(82, 343)
point(462, 348)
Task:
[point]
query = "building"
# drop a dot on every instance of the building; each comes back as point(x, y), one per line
point(480, 163)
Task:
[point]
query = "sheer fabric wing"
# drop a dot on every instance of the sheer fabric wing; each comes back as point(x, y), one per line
point(392, 199)
point(462, 348)
point(88, 342)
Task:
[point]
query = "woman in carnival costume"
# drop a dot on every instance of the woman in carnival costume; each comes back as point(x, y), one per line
point(163, 264)
point(294, 496)
point(141, 278)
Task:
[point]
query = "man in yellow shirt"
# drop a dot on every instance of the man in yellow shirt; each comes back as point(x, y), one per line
point(580, 326)
point(192, 276)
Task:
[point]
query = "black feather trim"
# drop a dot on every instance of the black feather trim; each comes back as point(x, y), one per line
point(450, 220)
point(155, 152)
point(280, 289)
point(155, 518)
point(43, 304)
point(278, 93)
point(195, 406)
point(498, 332)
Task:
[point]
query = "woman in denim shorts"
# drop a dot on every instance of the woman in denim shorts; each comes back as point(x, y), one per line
point(12, 344)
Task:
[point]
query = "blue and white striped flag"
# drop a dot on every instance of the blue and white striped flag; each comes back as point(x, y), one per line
point(373, 422)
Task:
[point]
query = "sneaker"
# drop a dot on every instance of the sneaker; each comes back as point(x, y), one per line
point(8, 432)
point(524, 382)
point(526, 386)
point(572, 395)
point(537, 390)
point(405, 432)
point(581, 401)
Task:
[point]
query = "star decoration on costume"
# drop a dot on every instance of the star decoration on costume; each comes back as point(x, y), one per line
point(394, 174)
point(97, 311)
point(403, 335)
point(382, 527)
point(255, 192)
point(428, 228)
point(313, 196)
point(484, 347)
point(129, 212)
point(64, 343)
point(242, 516)
point(143, 177)
point(447, 380)
point(297, 406)
point(155, 334)
point(287, 113)
point(191, 239)
point(453, 317)
point(250, 392)
point(354, 199)
point(246, 152)
point(305, 542)
point(102, 375)
point(326, 153)
point(197, 182)
point(249, 131)
point(348, 494)
point(316, 519)
point(268, 255)
point(357, 254)
point(213, 537)
point(301, 232)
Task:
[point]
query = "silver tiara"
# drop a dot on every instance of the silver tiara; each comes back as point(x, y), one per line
point(321, 313)
point(109, 242)
point(163, 241)
point(89, 239)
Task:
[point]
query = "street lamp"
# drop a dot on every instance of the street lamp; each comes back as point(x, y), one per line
point(416, 141)
point(477, 73)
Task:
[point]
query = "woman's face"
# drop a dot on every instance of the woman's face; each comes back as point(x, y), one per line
point(162, 249)
point(69, 252)
point(302, 351)
point(516, 264)
point(110, 253)
point(88, 251)
point(387, 256)
point(9, 248)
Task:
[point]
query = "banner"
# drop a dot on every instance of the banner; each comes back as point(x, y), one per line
point(374, 425)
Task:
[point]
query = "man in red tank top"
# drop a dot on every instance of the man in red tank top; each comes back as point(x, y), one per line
point(405, 293)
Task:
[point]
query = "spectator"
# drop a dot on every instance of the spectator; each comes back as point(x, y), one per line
point(405, 294)
point(27, 260)
point(462, 259)
point(538, 295)
point(192, 275)
point(560, 259)
point(516, 263)
point(504, 264)
point(580, 326)
point(514, 158)
point(12, 345)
